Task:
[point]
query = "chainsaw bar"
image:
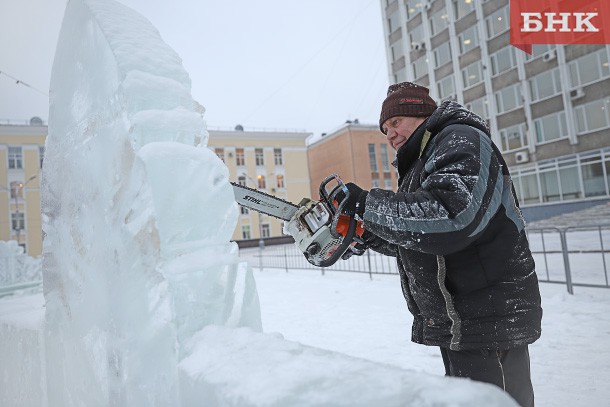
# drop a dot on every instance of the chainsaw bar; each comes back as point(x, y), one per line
point(264, 203)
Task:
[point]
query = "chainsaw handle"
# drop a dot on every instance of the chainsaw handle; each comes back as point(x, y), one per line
point(347, 240)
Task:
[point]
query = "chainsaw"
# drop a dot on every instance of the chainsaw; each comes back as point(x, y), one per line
point(321, 232)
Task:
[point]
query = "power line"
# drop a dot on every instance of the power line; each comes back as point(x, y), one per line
point(20, 82)
point(303, 66)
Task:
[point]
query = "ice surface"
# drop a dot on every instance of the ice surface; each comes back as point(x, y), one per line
point(137, 215)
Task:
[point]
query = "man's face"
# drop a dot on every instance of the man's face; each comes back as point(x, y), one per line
point(398, 129)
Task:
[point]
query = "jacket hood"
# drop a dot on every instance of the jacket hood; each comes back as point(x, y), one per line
point(450, 112)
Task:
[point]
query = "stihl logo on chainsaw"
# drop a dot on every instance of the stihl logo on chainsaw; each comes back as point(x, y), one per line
point(259, 201)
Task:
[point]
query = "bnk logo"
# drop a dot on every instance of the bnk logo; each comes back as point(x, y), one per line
point(559, 22)
point(563, 22)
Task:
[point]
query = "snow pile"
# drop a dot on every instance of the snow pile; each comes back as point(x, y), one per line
point(16, 267)
point(146, 301)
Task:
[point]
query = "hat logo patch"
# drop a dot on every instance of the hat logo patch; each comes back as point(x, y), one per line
point(411, 101)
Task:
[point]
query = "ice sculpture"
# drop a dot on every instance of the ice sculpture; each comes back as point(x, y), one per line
point(137, 216)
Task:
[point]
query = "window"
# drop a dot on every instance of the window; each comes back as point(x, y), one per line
point(589, 68)
point(397, 50)
point(243, 210)
point(375, 183)
point(469, 39)
point(545, 85)
point(442, 54)
point(265, 230)
point(513, 137)
point(241, 180)
point(416, 35)
point(15, 157)
point(446, 87)
point(593, 180)
point(17, 220)
point(387, 182)
point(592, 116)
point(385, 162)
point(220, 152)
point(259, 157)
point(262, 184)
point(480, 107)
point(439, 21)
point(372, 157)
point(538, 50)
point(549, 186)
point(400, 76)
point(277, 156)
point(413, 7)
point(245, 232)
point(508, 98)
point(420, 67)
point(280, 181)
point(472, 74)
point(503, 60)
point(551, 127)
point(497, 22)
point(530, 188)
point(394, 22)
point(41, 154)
point(240, 158)
point(462, 8)
point(16, 189)
point(570, 183)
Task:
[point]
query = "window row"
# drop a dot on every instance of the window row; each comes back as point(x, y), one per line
point(15, 157)
point(261, 181)
point(567, 179)
point(259, 157)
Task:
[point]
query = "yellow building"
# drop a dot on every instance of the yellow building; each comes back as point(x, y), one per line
point(271, 161)
point(21, 155)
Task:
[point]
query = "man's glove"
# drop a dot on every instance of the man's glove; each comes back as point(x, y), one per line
point(354, 205)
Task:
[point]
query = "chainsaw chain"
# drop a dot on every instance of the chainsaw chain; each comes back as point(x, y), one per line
point(269, 195)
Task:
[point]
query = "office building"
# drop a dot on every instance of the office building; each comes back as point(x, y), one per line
point(549, 112)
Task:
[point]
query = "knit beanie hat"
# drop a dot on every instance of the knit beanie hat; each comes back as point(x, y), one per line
point(406, 99)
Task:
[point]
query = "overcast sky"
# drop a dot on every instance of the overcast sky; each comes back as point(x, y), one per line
point(275, 64)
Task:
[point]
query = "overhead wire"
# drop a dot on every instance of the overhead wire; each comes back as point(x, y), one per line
point(303, 66)
point(20, 82)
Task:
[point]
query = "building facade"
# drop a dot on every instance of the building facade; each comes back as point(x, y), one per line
point(271, 161)
point(356, 152)
point(549, 112)
point(21, 156)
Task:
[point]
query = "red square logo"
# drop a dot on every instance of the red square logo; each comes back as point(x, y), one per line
point(559, 22)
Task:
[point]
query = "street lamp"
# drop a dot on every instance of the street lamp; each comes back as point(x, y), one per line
point(18, 191)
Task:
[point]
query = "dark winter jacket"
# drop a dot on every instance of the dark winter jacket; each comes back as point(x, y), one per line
point(455, 227)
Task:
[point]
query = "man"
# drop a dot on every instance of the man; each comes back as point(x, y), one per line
point(458, 235)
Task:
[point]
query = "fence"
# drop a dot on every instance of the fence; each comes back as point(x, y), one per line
point(19, 272)
point(574, 256)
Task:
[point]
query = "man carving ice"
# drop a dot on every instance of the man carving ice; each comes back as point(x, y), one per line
point(458, 235)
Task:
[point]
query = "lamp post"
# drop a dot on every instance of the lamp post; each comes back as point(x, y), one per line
point(18, 192)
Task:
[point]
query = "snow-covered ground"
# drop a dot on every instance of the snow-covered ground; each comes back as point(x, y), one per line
point(352, 314)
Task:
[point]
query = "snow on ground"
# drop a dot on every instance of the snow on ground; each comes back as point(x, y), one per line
point(349, 313)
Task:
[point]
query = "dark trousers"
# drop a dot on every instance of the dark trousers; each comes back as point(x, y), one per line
point(507, 369)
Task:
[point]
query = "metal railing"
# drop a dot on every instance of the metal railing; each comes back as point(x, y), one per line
point(574, 256)
point(19, 272)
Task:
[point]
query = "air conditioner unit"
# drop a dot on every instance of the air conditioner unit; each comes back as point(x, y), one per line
point(549, 56)
point(522, 157)
point(577, 93)
point(416, 46)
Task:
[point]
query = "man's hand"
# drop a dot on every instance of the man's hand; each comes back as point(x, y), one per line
point(354, 203)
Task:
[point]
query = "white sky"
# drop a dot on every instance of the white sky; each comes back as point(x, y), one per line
point(275, 64)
